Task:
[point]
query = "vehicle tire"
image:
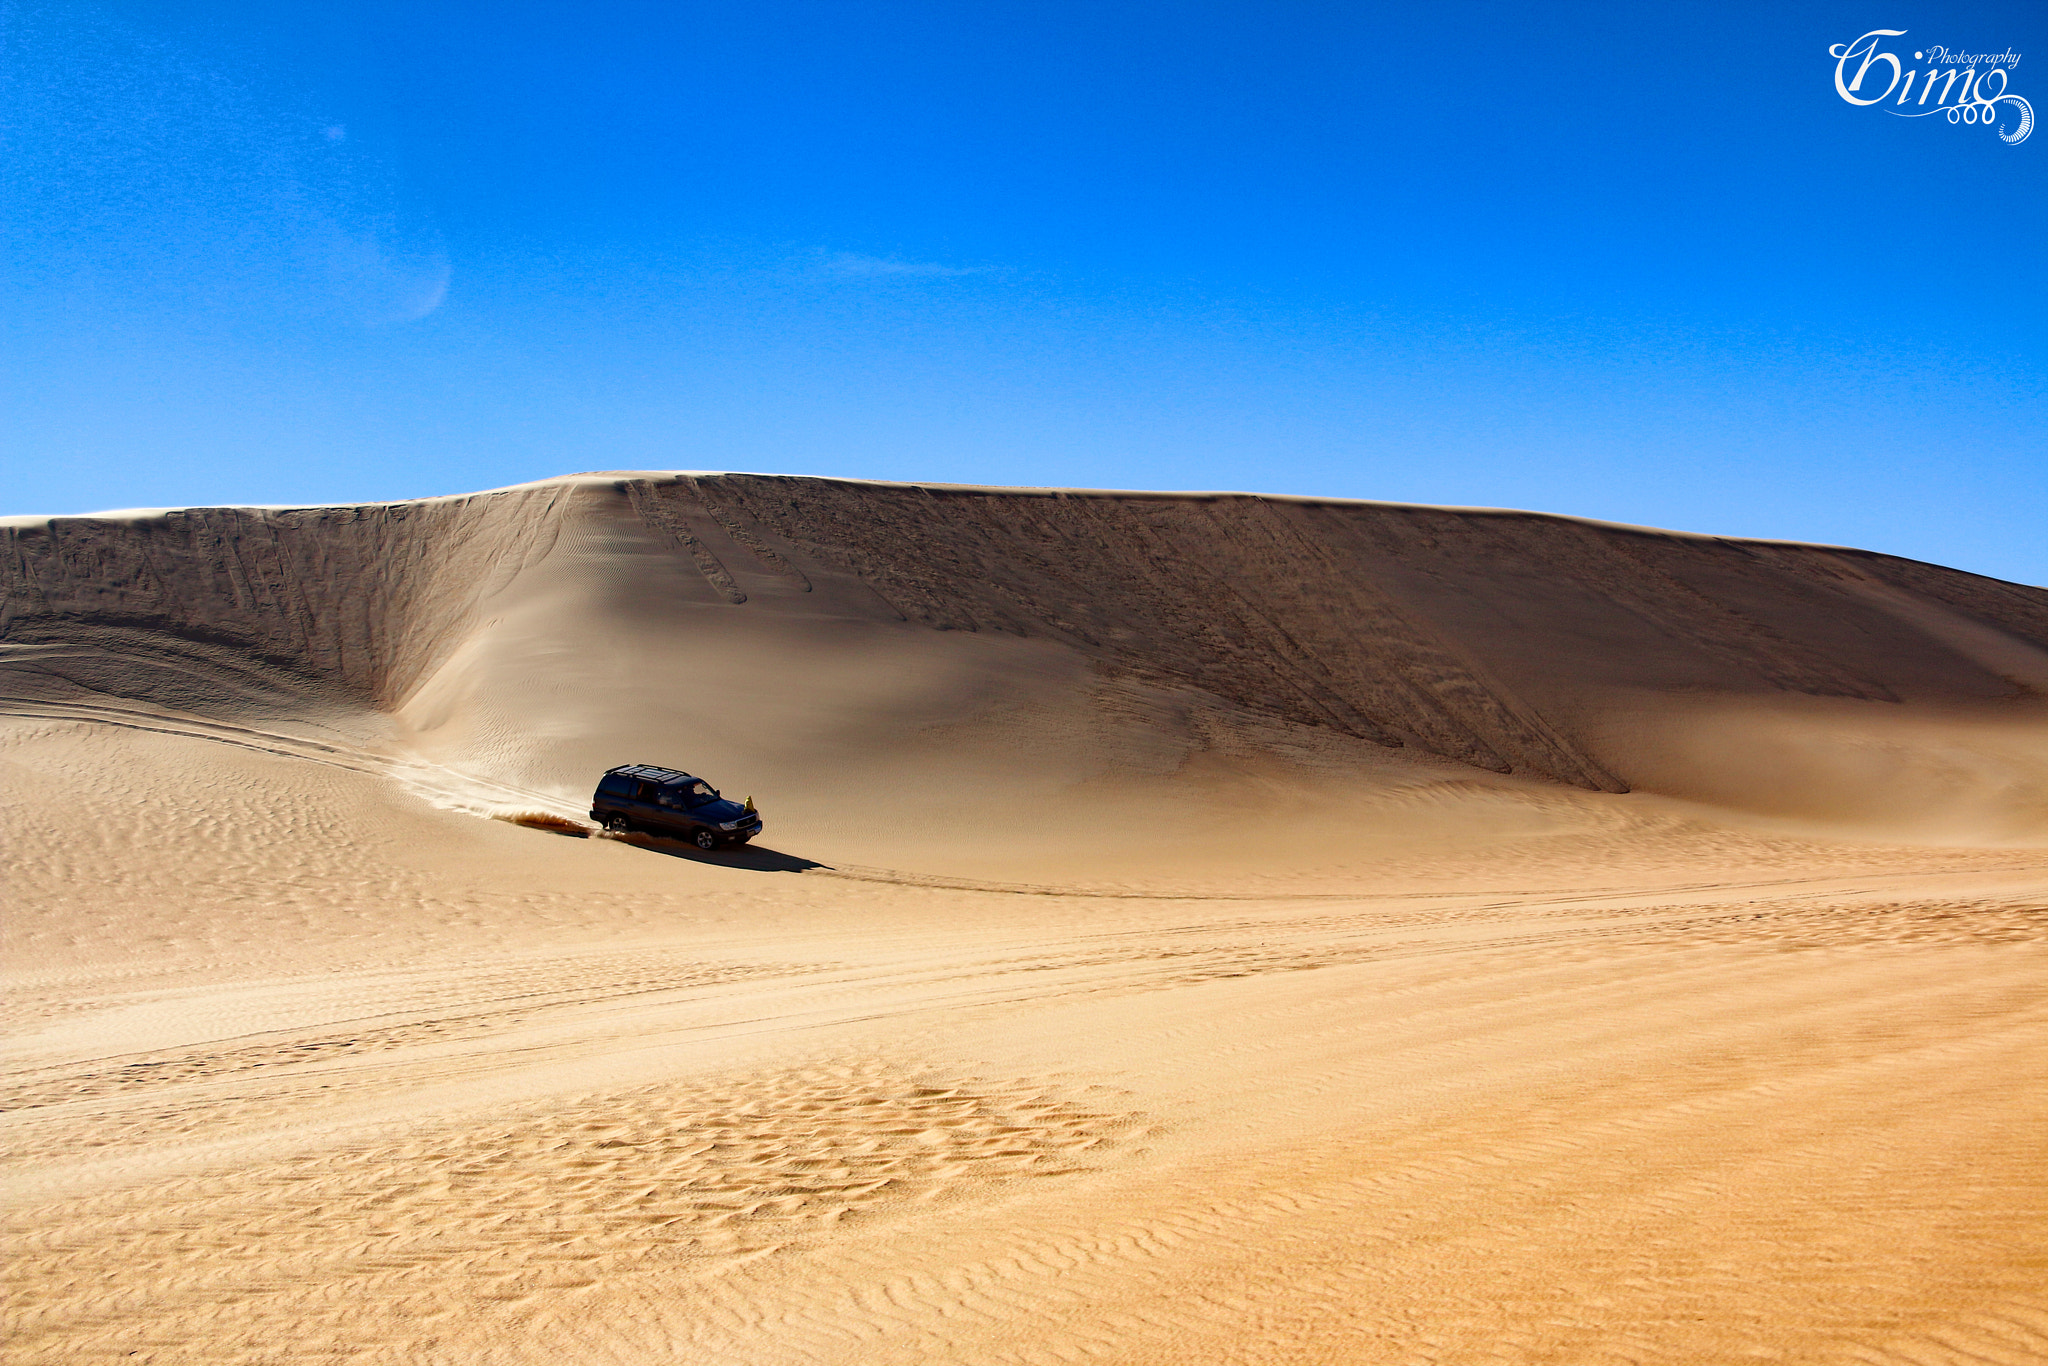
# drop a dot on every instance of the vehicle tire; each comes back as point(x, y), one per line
point(617, 824)
point(705, 839)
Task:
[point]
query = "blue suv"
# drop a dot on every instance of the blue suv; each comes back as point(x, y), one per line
point(664, 801)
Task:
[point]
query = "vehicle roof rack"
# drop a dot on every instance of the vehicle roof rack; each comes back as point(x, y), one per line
point(651, 771)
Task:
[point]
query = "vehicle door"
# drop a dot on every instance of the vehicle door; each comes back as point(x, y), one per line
point(672, 808)
point(639, 801)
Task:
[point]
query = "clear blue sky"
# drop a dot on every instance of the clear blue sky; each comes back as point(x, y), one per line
point(1637, 262)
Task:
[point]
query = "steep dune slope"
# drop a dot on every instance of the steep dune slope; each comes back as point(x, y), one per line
point(967, 648)
point(235, 611)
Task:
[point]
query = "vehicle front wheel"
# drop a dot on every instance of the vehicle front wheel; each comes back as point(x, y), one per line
point(705, 840)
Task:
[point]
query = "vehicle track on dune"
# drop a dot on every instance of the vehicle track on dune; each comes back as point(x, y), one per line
point(452, 789)
point(438, 784)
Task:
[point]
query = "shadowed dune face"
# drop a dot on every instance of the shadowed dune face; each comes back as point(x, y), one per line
point(1023, 653)
point(233, 612)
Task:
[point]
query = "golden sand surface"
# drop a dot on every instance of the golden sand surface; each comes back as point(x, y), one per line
point(1188, 929)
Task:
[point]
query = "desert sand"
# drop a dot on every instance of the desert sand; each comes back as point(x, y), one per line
point(1188, 929)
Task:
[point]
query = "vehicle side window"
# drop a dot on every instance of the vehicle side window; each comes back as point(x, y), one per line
point(613, 785)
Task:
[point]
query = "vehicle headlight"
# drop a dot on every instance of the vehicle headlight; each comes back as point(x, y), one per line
point(732, 825)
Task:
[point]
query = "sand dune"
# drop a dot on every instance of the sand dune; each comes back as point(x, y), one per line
point(1189, 928)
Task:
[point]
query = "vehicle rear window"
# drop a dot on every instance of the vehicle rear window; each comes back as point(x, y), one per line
point(616, 785)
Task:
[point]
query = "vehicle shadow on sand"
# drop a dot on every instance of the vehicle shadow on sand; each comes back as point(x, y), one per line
point(752, 858)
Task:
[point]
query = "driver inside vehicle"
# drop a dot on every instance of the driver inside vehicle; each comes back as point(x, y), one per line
point(696, 794)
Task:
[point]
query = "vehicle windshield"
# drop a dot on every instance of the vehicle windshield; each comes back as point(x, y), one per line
point(697, 793)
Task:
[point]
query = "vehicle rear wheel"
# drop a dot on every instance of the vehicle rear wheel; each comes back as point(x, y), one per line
point(705, 840)
point(617, 823)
